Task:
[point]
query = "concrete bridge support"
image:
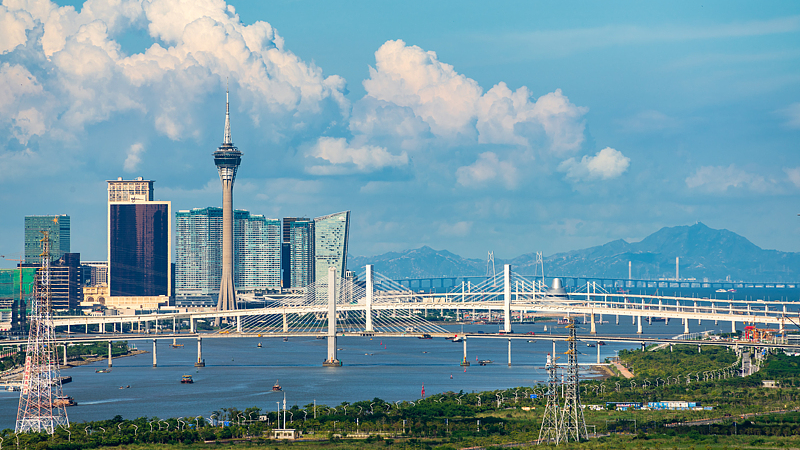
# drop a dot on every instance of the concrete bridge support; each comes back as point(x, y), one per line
point(200, 361)
point(639, 324)
point(593, 329)
point(191, 325)
point(464, 361)
point(733, 326)
point(368, 300)
point(238, 324)
point(332, 360)
point(65, 354)
point(686, 326)
point(109, 353)
point(507, 300)
point(155, 355)
point(285, 323)
point(509, 352)
point(598, 351)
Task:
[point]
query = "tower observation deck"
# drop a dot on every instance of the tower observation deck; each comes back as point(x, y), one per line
point(227, 159)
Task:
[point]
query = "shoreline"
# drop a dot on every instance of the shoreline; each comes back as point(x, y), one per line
point(16, 374)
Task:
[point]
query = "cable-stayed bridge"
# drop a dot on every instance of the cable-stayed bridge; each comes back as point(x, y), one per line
point(334, 307)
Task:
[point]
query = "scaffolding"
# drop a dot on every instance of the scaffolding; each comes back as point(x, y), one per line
point(572, 423)
point(42, 406)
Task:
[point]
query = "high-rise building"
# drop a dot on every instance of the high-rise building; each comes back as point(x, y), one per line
point(66, 284)
point(95, 273)
point(139, 241)
point(198, 250)
point(301, 261)
point(258, 253)
point(330, 243)
point(227, 159)
point(286, 250)
point(57, 227)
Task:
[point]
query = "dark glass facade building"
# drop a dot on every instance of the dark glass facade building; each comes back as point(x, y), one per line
point(139, 248)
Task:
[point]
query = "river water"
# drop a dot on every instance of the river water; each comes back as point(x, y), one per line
point(239, 374)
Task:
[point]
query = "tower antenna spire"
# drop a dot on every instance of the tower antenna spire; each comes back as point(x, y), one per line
point(226, 139)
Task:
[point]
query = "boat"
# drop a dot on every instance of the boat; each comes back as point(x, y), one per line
point(601, 343)
point(66, 379)
point(187, 379)
point(102, 371)
point(564, 321)
point(484, 362)
point(320, 337)
point(458, 339)
point(125, 387)
point(286, 339)
point(589, 344)
point(425, 336)
point(276, 386)
point(176, 345)
point(12, 388)
point(731, 290)
point(259, 345)
point(64, 401)
point(721, 290)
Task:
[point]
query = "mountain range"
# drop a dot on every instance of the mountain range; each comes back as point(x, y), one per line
point(705, 253)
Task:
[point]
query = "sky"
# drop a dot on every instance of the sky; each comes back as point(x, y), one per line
point(507, 126)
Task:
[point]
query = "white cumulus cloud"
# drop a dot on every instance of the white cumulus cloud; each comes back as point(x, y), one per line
point(345, 158)
point(606, 164)
point(717, 179)
point(134, 158)
point(431, 97)
point(794, 176)
point(487, 169)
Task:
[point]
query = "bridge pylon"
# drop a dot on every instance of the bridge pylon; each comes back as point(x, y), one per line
point(332, 360)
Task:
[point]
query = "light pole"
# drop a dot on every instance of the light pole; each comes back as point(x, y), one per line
point(278, 419)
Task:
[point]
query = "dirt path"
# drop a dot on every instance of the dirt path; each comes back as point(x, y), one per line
point(625, 372)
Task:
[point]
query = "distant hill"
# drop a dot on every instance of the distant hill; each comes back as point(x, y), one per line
point(704, 253)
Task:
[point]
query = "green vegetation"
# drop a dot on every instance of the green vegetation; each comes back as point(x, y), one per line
point(744, 415)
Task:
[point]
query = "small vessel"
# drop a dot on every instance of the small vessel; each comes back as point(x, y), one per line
point(66, 379)
point(125, 387)
point(425, 336)
point(286, 339)
point(276, 386)
point(11, 388)
point(259, 345)
point(564, 321)
point(589, 344)
point(64, 401)
point(484, 362)
point(601, 343)
point(187, 379)
point(176, 345)
point(721, 290)
point(102, 371)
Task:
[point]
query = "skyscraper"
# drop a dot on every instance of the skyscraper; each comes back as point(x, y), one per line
point(198, 248)
point(286, 251)
point(330, 243)
point(301, 241)
point(139, 241)
point(57, 227)
point(227, 159)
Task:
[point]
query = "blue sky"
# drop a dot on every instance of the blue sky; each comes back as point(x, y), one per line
point(471, 126)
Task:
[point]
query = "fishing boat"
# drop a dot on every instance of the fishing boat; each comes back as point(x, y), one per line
point(102, 371)
point(425, 336)
point(187, 379)
point(64, 401)
point(276, 386)
point(484, 362)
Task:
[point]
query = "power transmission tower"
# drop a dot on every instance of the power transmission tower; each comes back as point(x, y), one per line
point(572, 423)
point(42, 407)
point(550, 432)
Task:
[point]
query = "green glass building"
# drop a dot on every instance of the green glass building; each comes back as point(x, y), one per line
point(330, 244)
point(58, 228)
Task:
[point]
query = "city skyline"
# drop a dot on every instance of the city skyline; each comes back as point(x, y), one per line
point(522, 128)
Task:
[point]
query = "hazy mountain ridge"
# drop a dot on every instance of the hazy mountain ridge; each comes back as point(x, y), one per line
point(704, 253)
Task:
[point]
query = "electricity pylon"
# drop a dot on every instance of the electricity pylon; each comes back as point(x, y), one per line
point(550, 432)
point(572, 423)
point(42, 407)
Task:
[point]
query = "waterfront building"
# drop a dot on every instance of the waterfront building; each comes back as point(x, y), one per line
point(330, 243)
point(57, 227)
point(286, 250)
point(66, 281)
point(95, 273)
point(301, 240)
point(198, 265)
point(139, 240)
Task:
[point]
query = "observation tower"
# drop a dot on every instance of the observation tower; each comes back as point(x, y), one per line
point(227, 159)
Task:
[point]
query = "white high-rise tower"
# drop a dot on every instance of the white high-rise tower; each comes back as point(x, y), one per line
point(227, 159)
